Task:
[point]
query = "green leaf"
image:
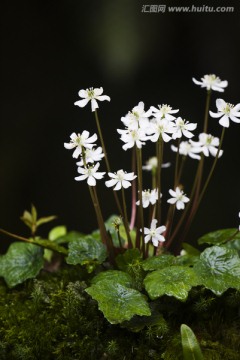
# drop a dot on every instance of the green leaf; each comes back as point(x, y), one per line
point(218, 237)
point(45, 220)
point(219, 269)
point(190, 345)
point(57, 232)
point(173, 281)
point(86, 251)
point(71, 236)
point(109, 224)
point(22, 261)
point(186, 260)
point(116, 276)
point(118, 302)
point(53, 235)
point(27, 219)
point(190, 249)
point(129, 258)
point(156, 321)
point(158, 262)
point(34, 214)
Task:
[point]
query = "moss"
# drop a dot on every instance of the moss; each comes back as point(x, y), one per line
point(52, 317)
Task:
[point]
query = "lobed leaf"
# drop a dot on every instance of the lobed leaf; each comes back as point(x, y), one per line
point(86, 250)
point(174, 281)
point(21, 262)
point(218, 237)
point(158, 262)
point(118, 302)
point(116, 276)
point(219, 269)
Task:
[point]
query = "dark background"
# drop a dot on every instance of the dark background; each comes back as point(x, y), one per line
point(52, 49)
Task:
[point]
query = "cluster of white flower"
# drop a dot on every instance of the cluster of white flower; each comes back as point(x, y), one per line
point(139, 127)
point(151, 125)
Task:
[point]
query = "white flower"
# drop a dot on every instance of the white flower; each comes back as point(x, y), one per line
point(164, 112)
point(120, 179)
point(137, 118)
point(91, 156)
point(226, 111)
point(90, 174)
point(93, 95)
point(239, 225)
point(207, 144)
point(178, 198)
point(187, 149)
point(132, 137)
point(160, 128)
point(211, 82)
point(148, 196)
point(80, 141)
point(154, 233)
point(183, 127)
point(152, 164)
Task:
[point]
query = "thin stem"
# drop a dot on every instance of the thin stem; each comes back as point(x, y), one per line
point(185, 211)
point(213, 167)
point(98, 214)
point(176, 165)
point(196, 206)
point(134, 191)
point(101, 140)
point(160, 157)
point(46, 244)
point(205, 127)
point(140, 189)
point(125, 220)
point(106, 159)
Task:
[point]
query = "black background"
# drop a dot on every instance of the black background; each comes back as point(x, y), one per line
point(52, 49)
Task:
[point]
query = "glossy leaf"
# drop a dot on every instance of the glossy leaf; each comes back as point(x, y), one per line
point(118, 302)
point(190, 345)
point(129, 258)
point(174, 281)
point(218, 237)
point(158, 262)
point(86, 250)
point(116, 276)
point(53, 235)
point(21, 262)
point(219, 269)
point(190, 249)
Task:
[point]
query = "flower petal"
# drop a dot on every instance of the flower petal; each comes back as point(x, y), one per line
point(81, 103)
point(224, 121)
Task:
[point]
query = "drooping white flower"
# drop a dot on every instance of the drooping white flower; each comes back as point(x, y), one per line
point(137, 118)
point(183, 127)
point(160, 128)
point(239, 225)
point(211, 82)
point(91, 95)
point(132, 137)
point(91, 156)
point(178, 198)
point(120, 179)
point(152, 164)
point(90, 173)
point(148, 197)
point(164, 112)
point(80, 141)
point(154, 233)
point(207, 144)
point(225, 112)
point(187, 149)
